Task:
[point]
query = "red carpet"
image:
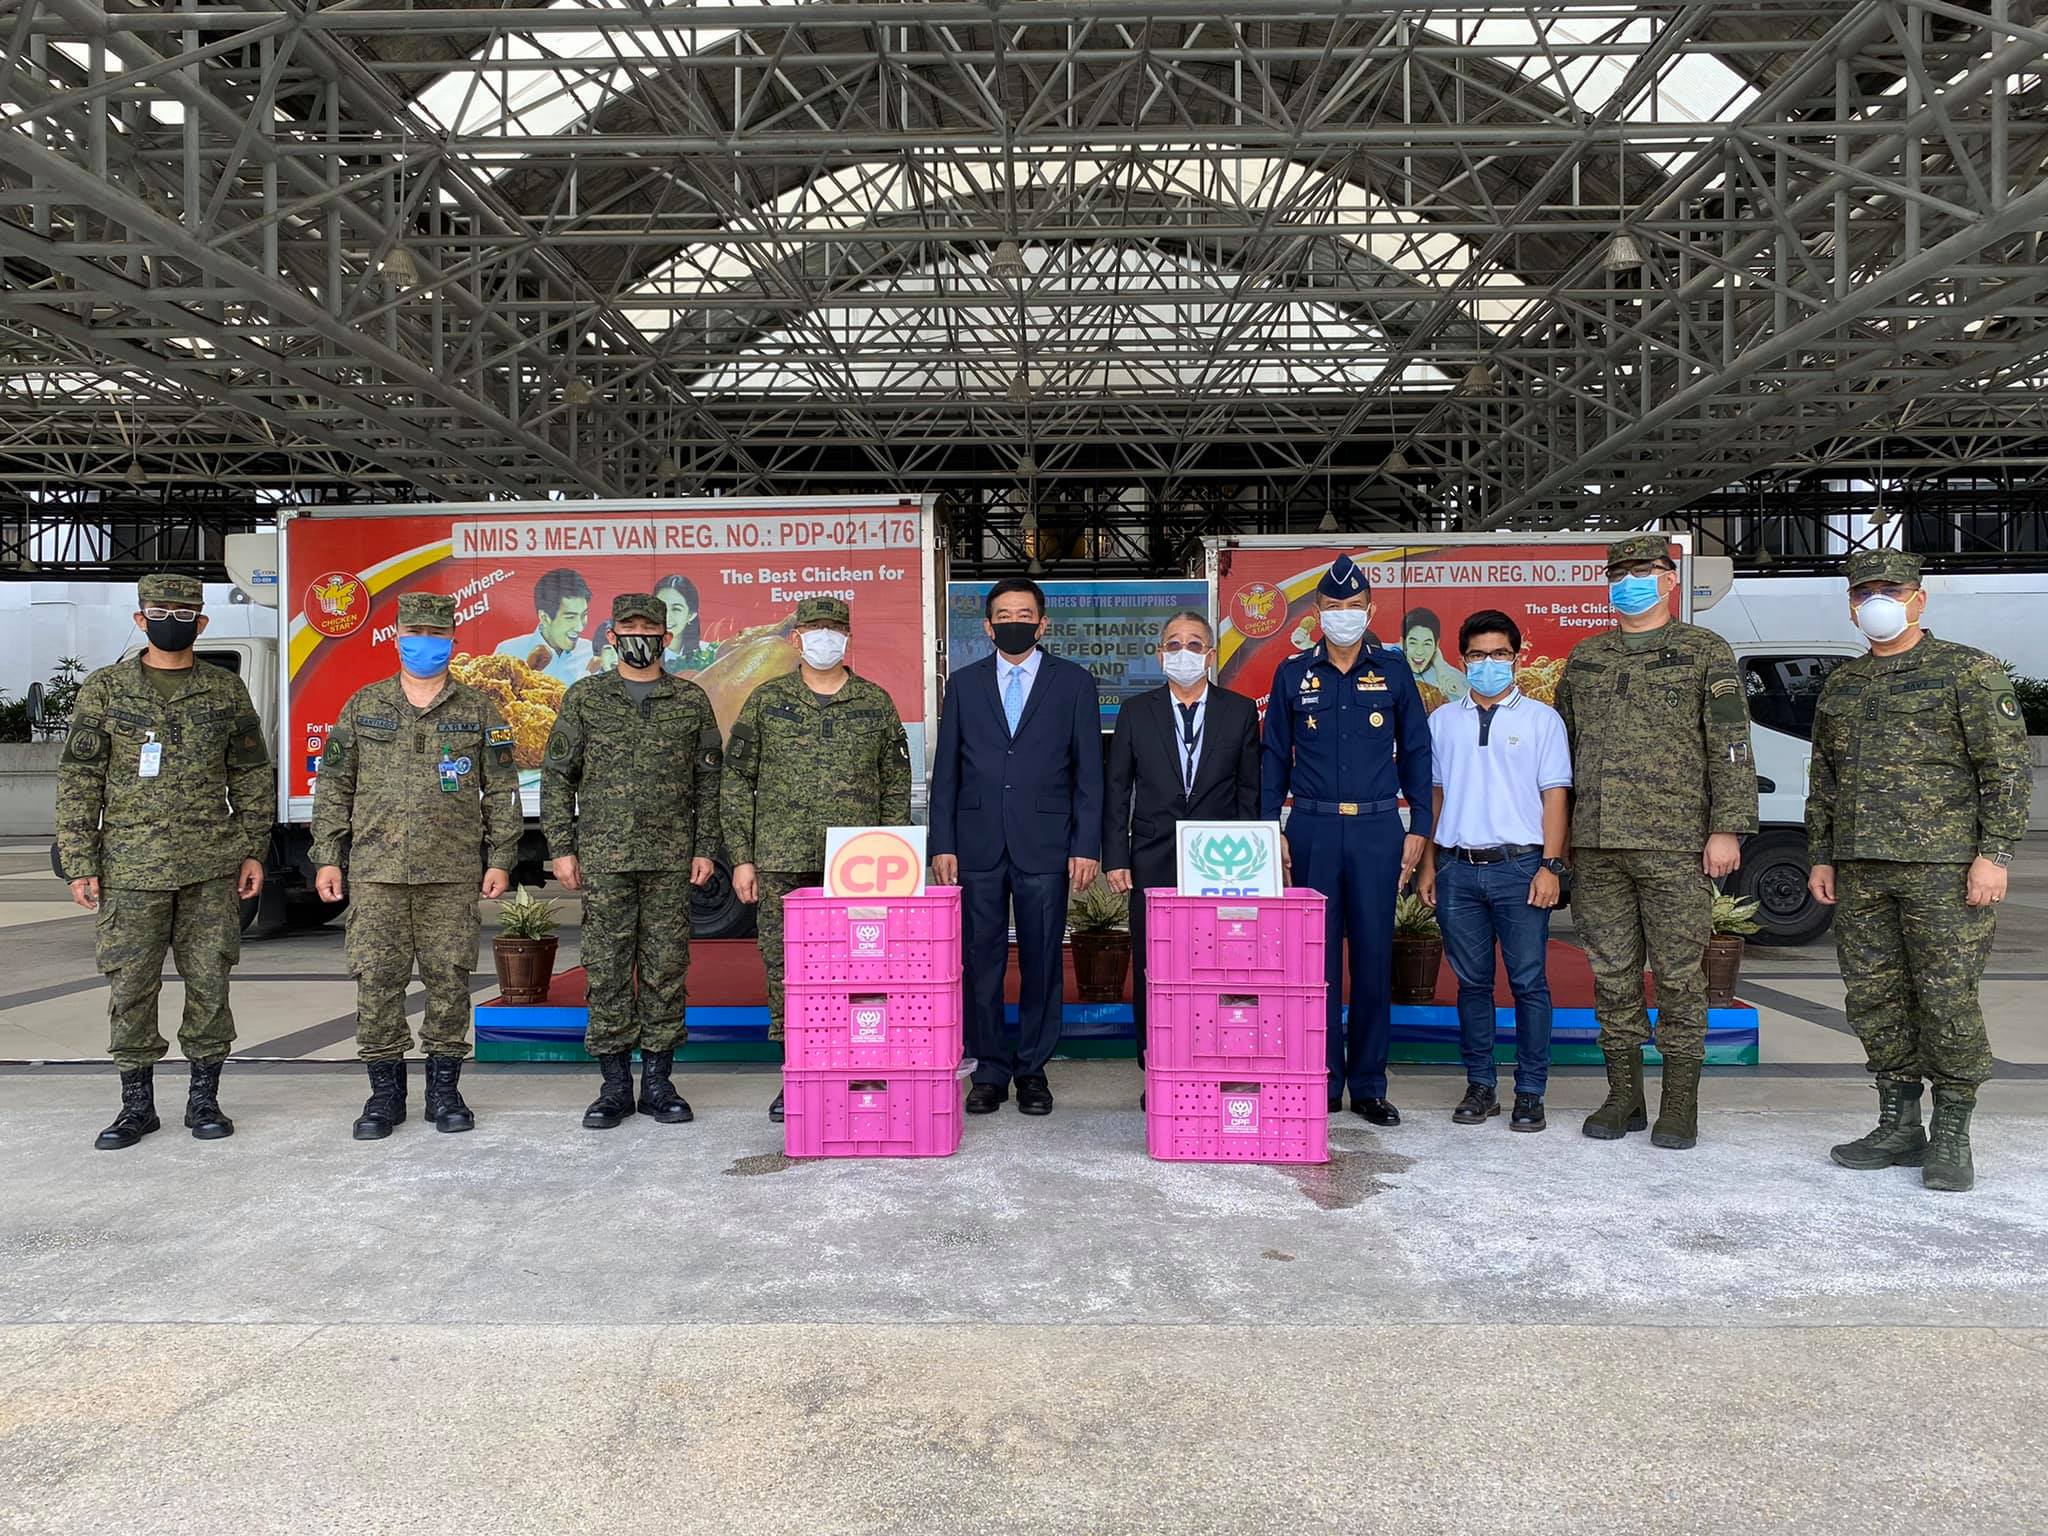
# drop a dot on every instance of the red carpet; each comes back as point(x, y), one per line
point(727, 972)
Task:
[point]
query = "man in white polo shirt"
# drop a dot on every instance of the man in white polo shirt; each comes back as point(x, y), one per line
point(1502, 773)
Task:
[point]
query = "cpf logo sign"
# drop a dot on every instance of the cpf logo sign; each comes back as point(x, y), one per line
point(863, 863)
point(1229, 858)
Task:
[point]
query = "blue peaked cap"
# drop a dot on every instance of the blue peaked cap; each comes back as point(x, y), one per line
point(1342, 579)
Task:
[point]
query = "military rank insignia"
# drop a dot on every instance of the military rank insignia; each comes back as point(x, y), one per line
point(498, 736)
point(1372, 682)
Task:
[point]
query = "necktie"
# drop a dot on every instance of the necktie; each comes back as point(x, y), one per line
point(1013, 698)
point(1190, 740)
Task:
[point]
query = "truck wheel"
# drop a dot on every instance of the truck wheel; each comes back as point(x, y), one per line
point(715, 912)
point(1774, 871)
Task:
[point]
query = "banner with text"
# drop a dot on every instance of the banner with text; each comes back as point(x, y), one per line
point(534, 589)
point(1109, 627)
point(1556, 593)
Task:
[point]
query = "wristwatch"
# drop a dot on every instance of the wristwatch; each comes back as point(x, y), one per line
point(2000, 859)
point(1557, 867)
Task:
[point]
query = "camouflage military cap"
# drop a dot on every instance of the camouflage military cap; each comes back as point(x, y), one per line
point(824, 610)
point(433, 609)
point(1343, 579)
point(169, 587)
point(639, 605)
point(1882, 565)
point(1639, 546)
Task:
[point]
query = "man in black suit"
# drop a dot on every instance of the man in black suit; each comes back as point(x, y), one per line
point(1184, 752)
point(1016, 819)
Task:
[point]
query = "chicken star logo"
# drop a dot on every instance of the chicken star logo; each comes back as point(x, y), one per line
point(336, 604)
point(1261, 610)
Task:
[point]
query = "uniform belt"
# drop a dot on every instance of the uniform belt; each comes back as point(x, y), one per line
point(1495, 855)
point(1346, 807)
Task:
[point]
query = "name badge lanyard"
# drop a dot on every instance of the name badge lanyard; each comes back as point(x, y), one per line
point(1191, 738)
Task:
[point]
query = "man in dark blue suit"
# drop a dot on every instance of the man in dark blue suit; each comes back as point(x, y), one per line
point(1347, 737)
point(1016, 819)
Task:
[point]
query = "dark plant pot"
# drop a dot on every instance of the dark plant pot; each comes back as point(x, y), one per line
point(1724, 969)
point(1101, 961)
point(1416, 959)
point(525, 969)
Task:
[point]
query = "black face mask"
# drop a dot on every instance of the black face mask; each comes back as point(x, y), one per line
point(1015, 637)
point(638, 650)
point(171, 634)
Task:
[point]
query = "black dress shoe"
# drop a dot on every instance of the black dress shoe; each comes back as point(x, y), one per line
point(775, 1109)
point(1378, 1111)
point(1034, 1095)
point(1336, 1103)
point(986, 1098)
point(1528, 1115)
point(1479, 1105)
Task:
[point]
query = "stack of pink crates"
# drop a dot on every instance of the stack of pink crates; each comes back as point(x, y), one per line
point(1235, 1070)
point(871, 1025)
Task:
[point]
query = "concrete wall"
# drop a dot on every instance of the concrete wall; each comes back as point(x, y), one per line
point(28, 788)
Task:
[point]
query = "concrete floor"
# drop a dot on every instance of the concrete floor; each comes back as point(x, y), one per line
point(538, 1328)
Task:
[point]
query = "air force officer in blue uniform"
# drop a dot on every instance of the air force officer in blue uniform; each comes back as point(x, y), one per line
point(1347, 735)
point(1016, 818)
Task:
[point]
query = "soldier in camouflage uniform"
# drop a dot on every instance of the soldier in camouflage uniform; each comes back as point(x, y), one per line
point(812, 749)
point(163, 815)
point(1664, 789)
point(629, 803)
point(1918, 798)
point(416, 789)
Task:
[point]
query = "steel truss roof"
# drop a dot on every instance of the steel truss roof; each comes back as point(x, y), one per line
point(1476, 264)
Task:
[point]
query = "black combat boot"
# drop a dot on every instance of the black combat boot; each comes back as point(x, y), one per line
point(1624, 1110)
point(202, 1104)
point(444, 1095)
point(658, 1096)
point(615, 1100)
point(1678, 1111)
point(1949, 1163)
point(386, 1105)
point(1899, 1140)
point(138, 1112)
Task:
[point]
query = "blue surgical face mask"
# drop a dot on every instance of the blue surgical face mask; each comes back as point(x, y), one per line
point(425, 655)
point(1490, 677)
point(1634, 594)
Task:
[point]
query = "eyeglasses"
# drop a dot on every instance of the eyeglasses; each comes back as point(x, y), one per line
point(1887, 589)
point(182, 615)
point(1192, 647)
point(1495, 655)
point(1636, 568)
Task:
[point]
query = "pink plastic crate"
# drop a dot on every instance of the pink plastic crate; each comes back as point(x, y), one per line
point(841, 942)
point(908, 1112)
point(1206, 1028)
point(1206, 1117)
point(842, 1028)
point(1245, 941)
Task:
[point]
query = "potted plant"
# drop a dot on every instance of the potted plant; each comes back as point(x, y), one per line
point(1734, 917)
point(524, 949)
point(1099, 926)
point(1418, 950)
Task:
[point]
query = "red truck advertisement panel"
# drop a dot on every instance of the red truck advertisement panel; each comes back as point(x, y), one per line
point(1555, 590)
point(534, 588)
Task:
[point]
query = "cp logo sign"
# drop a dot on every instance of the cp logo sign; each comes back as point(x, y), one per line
point(874, 864)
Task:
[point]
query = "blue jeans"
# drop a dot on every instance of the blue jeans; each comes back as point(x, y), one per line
point(1477, 905)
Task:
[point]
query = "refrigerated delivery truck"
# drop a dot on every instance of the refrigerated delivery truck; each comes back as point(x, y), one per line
point(534, 583)
point(1787, 635)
